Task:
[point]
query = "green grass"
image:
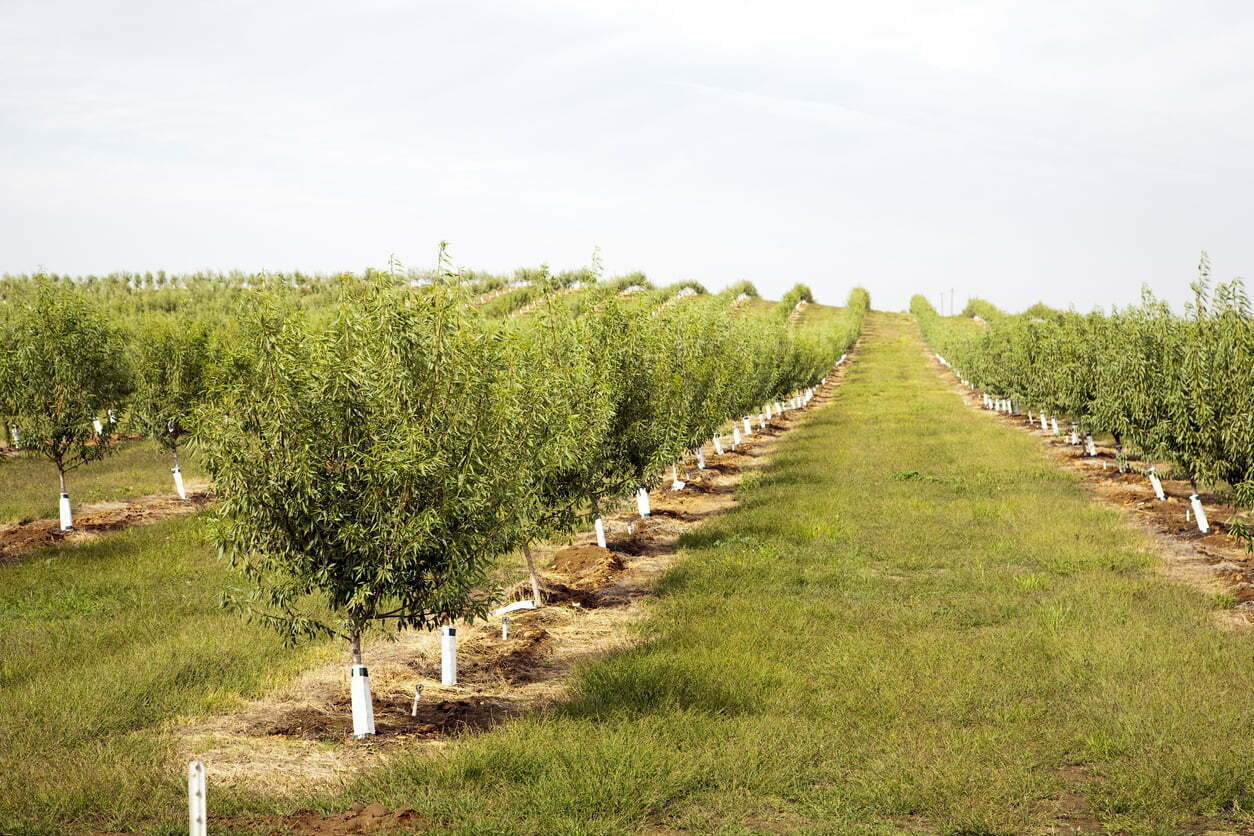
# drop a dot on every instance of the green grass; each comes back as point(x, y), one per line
point(99, 645)
point(28, 484)
point(914, 621)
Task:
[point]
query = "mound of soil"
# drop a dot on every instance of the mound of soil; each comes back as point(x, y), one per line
point(578, 560)
point(555, 593)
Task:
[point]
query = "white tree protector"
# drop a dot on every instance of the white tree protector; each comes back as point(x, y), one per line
point(1203, 525)
point(16, 436)
point(735, 437)
point(842, 359)
point(505, 628)
point(1074, 436)
point(363, 704)
point(178, 483)
point(642, 502)
point(1053, 422)
point(599, 528)
point(748, 427)
point(1089, 446)
point(767, 410)
point(700, 459)
point(1044, 425)
point(67, 518)
point(1156, 483)
point(1031, 420)
point(97, 426)
point(197, 801)
point(761, 421)
point(448, 655)
point(676, 485)
point(718, 443)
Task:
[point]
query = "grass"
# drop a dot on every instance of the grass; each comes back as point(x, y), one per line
point(28, 484)
point(101, 644)
point(913, 622)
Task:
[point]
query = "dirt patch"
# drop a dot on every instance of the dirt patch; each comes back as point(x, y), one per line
point(300, 735)
point(587, 561)
point(361, 819)
point(20, 539)
point(1214, 562)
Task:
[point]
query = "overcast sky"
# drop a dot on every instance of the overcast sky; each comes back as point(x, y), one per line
point(1059, 151)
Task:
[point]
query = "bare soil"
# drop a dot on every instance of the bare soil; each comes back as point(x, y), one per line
point(1215, 562)
point(90, 521)
point(300, 735)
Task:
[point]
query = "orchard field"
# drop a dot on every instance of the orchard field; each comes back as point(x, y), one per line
point(833, 569)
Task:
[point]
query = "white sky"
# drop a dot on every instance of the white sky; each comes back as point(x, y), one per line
point(1060, 151)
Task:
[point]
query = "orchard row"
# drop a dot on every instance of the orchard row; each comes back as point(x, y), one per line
point(374, 451)
point(1167, 388)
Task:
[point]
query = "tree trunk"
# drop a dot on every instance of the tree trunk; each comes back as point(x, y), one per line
point(61, 477)
point(535, 581)
point(354, 647)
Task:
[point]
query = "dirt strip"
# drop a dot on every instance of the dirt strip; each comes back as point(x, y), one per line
point(90, 521)
point(300, 736)
point(1215, 562)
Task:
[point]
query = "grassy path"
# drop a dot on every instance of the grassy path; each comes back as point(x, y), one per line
point(913, 623)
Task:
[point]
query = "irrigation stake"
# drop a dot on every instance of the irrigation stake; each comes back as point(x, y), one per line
point(448, 655)
point(363, 705)
point(197, 808)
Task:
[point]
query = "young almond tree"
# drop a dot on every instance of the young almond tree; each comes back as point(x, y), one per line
point(170, 358)
point(63, 369)
point(563, 419)
point(359, 465)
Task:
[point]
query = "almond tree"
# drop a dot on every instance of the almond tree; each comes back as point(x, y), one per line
point(63, 368)
point(170, 358)
point(359, 464)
